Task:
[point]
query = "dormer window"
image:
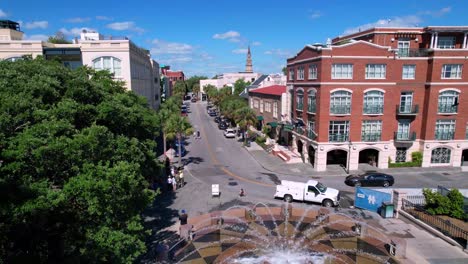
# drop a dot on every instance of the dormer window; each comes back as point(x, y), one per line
point(446, 42)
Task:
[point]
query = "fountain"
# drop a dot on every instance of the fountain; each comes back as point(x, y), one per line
point(263, 235)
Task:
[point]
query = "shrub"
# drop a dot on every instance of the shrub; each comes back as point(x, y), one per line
point(417, 157)
point(404, 164)
point(456, 200)
point(451, 205)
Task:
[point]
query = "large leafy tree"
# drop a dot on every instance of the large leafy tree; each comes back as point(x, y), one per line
point(178, 127)
point(239, 86)
point(230, 104)
point(76, 153)
point(209, 89)
point(194, 80)
point(245, 117)
point(179, 89)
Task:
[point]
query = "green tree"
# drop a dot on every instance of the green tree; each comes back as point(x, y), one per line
point(194, 80)
point(59, 38)
point(245, 117)
point(77, 152)
point(209, 89)
point(196, 88)
point(285, 70)
point(239, 86)
point(178, 127)
point(230, 104)
point(169, 108)
point(179, 89)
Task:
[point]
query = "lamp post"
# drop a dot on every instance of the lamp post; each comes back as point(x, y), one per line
point(349, 155)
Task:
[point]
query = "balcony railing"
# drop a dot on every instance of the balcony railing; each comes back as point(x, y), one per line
point(407, 109)
point(447, 108)
point(338, 137)
point(371, 137)
point(373, 109)
point(300, 107)
point(299, 130)
point(340, 109)
point(312, 108)
point(444, 135)
point(413, 52)
point(404, 136)
point(311, 134)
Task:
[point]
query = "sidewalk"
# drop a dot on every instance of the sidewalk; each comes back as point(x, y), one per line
point(275, 164)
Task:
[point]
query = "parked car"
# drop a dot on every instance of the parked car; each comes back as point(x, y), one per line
point(213, 113)
point(194, 100)
point(311, 191)
point(370, 179)
point(222, 125)
point(230, 133)
point(217, 119)
point(183, 151)
point(183, 112)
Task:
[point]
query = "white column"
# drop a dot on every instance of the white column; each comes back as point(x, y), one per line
point(432, 41)
point(436, 40)
point(464, 41)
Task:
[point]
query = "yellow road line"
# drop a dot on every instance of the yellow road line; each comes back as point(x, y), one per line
point(216, 162)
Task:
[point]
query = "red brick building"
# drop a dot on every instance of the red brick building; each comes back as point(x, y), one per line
point(175, 76)
point(379, 95)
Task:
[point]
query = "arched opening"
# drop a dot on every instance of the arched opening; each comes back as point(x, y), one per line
point(312, 156)
point(464, 158)
point(369, 156)
point(337, 157)
point(300, 146)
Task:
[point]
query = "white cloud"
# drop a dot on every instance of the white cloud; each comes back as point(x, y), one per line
point(78, 20)
point(175, 60)
point(239, 51)
point(256, 43)
point(232, 36)
point(438, 13)
point(75, 31)
point(164, 47)
point(315, 15)
point(405, 21)
point(279, 53)
point(127, 25)
point(103, 18)
point(36, 37)
point(2, 14)
point(36, 24)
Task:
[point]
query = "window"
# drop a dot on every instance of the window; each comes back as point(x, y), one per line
point(300, 73)
point(338, 131)
point(111, 64)
point(268, 107)
point(403, 132)
point(403, 47)
point(312, 71)
point(448, 102)
point(371, 130)
point(311, 101)
point(291, 74)
point(311, 130)
point(446, 42)
point(255, 103)
point(299, 100)
point(340, 102)
point(275, 109)
point(409, 72)
point(445, 129)
point(401, 154)
point(342, 71)
point(13, 59)
point(376, 71)
point(406, 102)
point(440, 155)
point(261, 105)
point(373, 102)
point(452, 71)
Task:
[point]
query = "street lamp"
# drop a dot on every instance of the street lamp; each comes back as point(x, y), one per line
point(349, 155)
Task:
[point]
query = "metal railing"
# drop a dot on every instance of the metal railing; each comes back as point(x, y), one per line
point(311, 134)
point(373, 109)
point(404, 136)
point(299, 130)
point(443, 225)
point(447, 108)
point(338, 137)
point(371, 137)
point(340, 109)
point(413, 52)
point(312, 108)
point(444, 135)
point(405, 109)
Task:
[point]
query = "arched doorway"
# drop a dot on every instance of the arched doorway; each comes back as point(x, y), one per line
point(464, 158)
point(337, 157)
point(369, 156)
point(300, 146)
point(312, 156)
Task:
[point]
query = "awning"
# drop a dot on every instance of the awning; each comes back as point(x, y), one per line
point(288, 127)
point(272, 124)
point(259, 118)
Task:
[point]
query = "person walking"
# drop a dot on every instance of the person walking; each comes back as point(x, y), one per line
point(198, 134)
point(181, 179)
point(242, 192)
point(169, 183)
point(174, 184)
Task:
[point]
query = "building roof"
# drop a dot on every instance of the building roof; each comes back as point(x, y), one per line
point(271, 90)
point(174, 73)
point(253, 85)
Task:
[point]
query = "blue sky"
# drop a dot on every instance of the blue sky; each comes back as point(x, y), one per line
point(204, 37)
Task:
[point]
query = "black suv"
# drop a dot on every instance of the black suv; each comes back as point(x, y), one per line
point(217, 119)
point(222, 125)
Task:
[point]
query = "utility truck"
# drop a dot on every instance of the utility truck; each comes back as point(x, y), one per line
point(311, 191)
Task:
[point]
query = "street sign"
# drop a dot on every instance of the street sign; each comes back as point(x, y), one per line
point(370, 199)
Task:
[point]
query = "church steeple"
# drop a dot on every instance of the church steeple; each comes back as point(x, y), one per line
point(248, 64)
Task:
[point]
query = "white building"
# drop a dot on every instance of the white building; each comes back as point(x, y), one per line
point(128, 62)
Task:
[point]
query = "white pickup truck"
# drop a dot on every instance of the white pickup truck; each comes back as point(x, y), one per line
point(311, 191)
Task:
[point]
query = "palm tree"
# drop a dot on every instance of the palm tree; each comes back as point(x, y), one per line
point(169, 108)
point(245, 117)
point(178, 127)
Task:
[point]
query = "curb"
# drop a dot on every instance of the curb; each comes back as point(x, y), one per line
point(431, 230)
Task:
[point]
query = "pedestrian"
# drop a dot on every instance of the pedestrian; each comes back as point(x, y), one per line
point(169, 182)
point(242, 192)
point(183, 217)
point(174, 184)
point(198, 134)
point(181, 178)
point(172, 171)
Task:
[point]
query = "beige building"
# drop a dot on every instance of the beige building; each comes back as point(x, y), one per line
point(128, 62)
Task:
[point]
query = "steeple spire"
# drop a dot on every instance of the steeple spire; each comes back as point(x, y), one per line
point(248, 64)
